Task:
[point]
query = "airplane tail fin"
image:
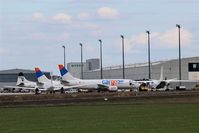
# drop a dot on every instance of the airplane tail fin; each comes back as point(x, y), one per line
point(21, 79)
point(161, 74)
point(40, 76)
point(64, 73)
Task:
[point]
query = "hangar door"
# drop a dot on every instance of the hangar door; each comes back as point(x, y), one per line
point(193, 71)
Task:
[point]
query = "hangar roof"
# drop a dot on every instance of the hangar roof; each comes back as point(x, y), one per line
point(141, 64)
point(16, 71)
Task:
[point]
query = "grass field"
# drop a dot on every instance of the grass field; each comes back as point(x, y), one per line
point(155, 118)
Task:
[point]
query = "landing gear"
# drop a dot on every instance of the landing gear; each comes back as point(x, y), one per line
point(98, 90)
point(62, 90)
point(36, 91)
point(52, 92)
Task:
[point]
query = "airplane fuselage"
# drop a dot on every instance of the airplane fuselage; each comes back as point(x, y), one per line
point(28, 84)
point(50, 85)
point(94, 84)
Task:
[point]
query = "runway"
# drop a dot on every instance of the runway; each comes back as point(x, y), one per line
point(99, 98)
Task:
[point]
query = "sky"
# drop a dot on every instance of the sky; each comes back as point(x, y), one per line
point(32, 32)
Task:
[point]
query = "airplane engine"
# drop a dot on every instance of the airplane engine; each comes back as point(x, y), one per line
point(143, 87)
point(112, 88)
point(162, 84)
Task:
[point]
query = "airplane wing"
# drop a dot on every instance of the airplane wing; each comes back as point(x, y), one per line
point(58, 88)
point(168, 80)
point(102, 86)
point(19, 87)
point(40, 84)
point(185, 81)
point(12, 87)
point(64, 82)
point(75, 86)
point(143, 81)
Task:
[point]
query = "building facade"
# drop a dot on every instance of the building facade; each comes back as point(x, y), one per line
point(75, 67)
point(9, 77)
point(93, 64)
point(140, 70)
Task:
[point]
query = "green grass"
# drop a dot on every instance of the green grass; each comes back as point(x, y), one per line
point(156, 118)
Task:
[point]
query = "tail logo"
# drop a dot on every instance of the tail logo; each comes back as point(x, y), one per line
point(38, 72)
point(62, 69)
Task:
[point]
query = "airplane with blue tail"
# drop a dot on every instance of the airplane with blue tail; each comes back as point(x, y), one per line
point(50, 85)
point(98, 84)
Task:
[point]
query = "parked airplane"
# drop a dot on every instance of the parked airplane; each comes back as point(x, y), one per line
point(47, 85)
point(98, 84)
point(161, 84)
point(22, 84)
point(153, 84)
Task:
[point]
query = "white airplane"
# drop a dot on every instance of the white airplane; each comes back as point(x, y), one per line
point(43, 84)
point(47, 85)
point(98, 84)
point(161, 84)
point(22, 84)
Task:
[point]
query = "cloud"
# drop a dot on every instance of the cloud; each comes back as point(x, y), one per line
point(108, 13)
point(90, 26)
point(84, 16)
point(46, 37)
point(135, 41)
point(86, 26)
point(97, 33)
point(38, 16)
point(90, 48)
point(63, 18)
point(39, 36)
point(60, 17)
point(139, 39)
point(90, 1)
point(3, 51)
point(170, 37)
point(183, 1)
point(62, 37)
point(167, 39)
point(142, 38)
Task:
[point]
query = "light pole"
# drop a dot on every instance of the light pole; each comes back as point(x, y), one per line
point(149, 55)
point(178, 26)
point(64, 55)
point(101, 58)
point(81, 61)
point(122, 37)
